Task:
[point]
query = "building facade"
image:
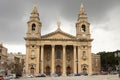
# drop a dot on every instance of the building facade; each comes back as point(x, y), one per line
point(16, 63)
point(96, 64)
point(3, 59)
point(58, 52)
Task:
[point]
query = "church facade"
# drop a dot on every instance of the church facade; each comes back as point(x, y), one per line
point(58, 52)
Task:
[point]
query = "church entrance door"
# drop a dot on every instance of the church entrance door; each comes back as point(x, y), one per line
point(68, 70)
point(32, 70)
point(47, 70)
point(58, 70)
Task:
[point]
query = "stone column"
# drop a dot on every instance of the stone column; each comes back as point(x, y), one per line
point(42, 55)
point(53, 59)
point(64, 61)
point(75, 60)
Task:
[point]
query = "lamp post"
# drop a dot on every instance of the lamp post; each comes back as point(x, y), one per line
point(117, 55)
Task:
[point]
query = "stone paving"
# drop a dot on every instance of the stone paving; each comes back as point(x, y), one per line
point(95, 77)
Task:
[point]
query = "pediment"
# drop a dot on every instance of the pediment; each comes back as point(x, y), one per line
point(58, 35)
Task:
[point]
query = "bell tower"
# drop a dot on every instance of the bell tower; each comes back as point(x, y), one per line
point(82, 25)
point(34, 24)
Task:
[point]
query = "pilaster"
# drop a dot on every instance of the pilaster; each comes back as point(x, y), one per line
point(27, 59)
point(37, 58)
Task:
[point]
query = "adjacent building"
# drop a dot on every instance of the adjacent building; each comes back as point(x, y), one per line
point(96, 64)
point(3, 58)
point(16, 63)
point(58, 52)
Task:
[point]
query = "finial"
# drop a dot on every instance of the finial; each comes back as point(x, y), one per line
point(35, 3)
point(58, 24)
point(82, 8)
point(35, 7)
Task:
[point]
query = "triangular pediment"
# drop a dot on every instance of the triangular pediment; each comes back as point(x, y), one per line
point(58, 35)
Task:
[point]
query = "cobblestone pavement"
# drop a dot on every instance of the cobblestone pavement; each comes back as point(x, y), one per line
point(95, 77)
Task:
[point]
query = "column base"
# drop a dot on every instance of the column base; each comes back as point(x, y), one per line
point(64, 74)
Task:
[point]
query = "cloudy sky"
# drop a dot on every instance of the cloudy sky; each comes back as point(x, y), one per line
point(103, 15)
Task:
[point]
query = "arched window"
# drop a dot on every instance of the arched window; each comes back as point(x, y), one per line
point(58, 54)
point(33, 27)
point(83, 28)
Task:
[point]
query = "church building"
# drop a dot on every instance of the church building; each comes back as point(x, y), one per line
point(58, 52)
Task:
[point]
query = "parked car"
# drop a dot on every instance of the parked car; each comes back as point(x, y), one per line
point(10, 76)
point(1, 78)
point(77, 74)
point(72, 74)
point(104, 73)
point(29, 76)
point(40, 75)
point(83, 74)
point(54, 75)
point(113, 72)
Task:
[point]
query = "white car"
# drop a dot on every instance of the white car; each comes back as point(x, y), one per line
point(10, 76)
point(29, 76)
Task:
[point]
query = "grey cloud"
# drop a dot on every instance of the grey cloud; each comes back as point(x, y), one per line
point(13, 29)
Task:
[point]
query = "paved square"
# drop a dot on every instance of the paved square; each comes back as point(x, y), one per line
point(95, 77)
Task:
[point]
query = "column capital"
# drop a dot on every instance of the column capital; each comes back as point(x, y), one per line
point(37, 46)
point(42, 45)
point(64, 45)
point(53, 45)
point(74, 46)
